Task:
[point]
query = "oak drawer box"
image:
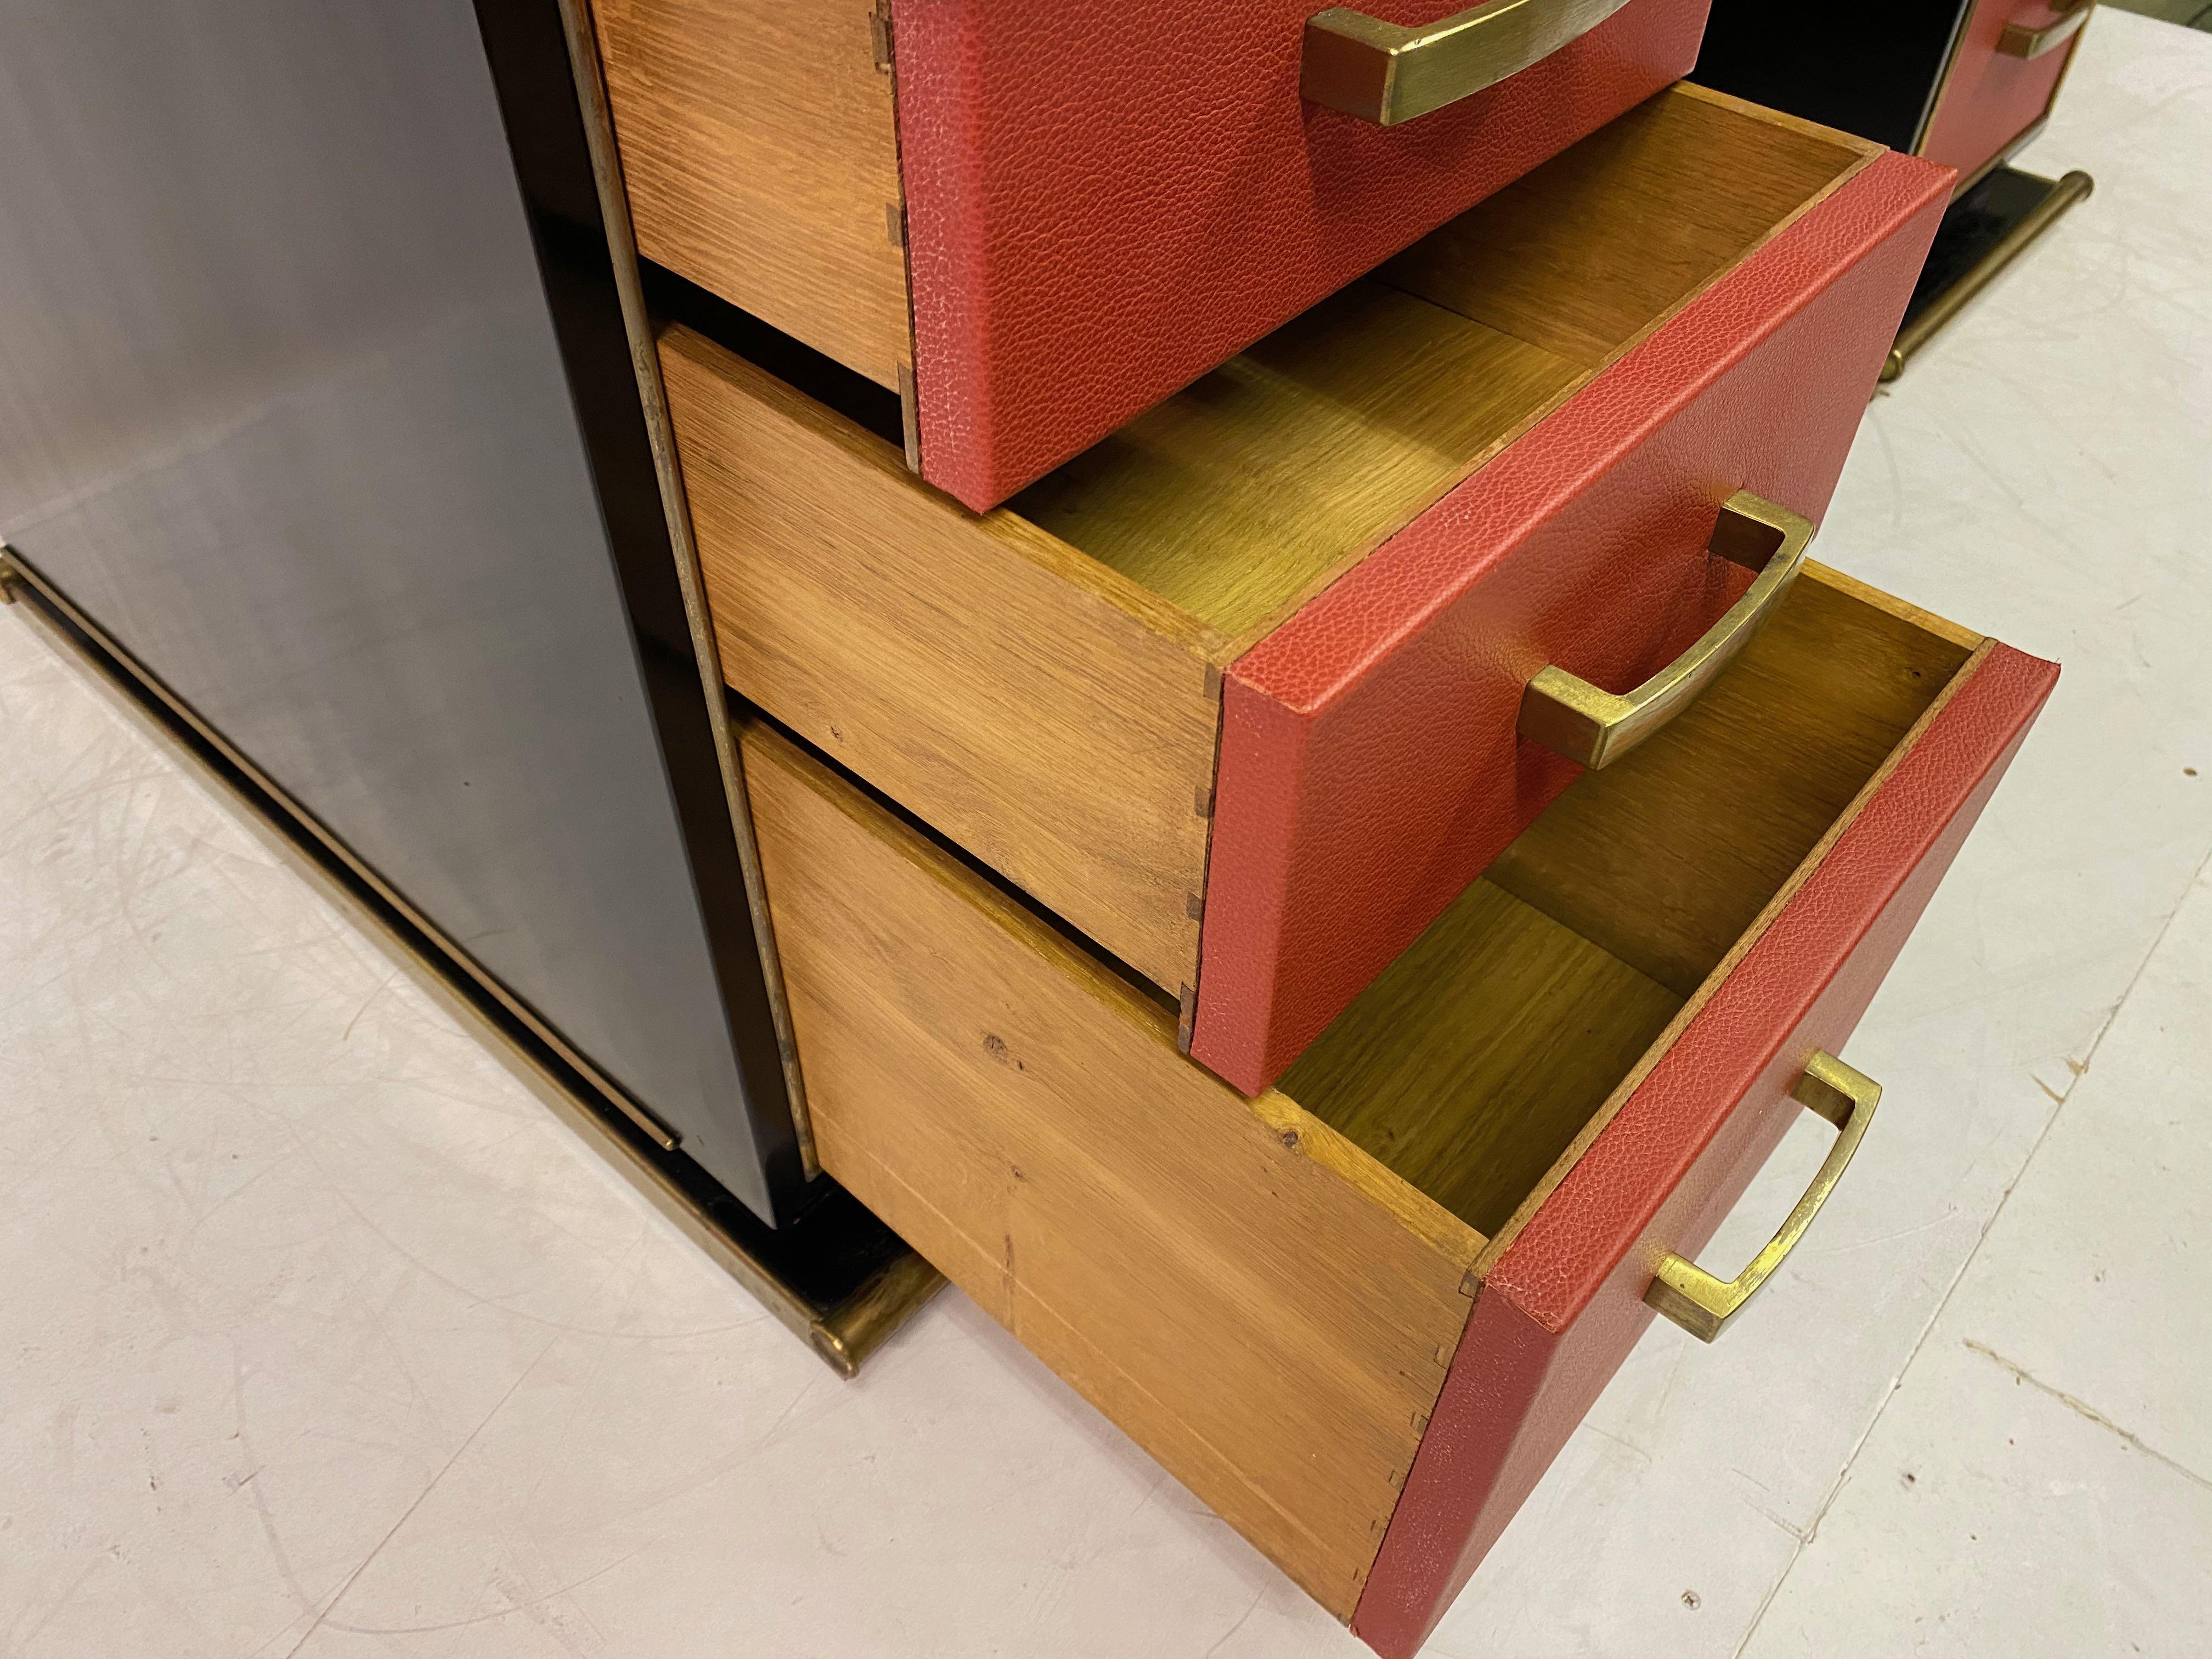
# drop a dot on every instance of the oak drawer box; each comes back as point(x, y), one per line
point(1963, 82)
point(1358, 1315)
point(1091, 202)
point(1238, 692)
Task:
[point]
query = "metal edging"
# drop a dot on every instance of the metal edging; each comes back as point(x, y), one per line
point(2065, 192)
point(885, 35)
point(590, 290)
point(843, 1334)
point(653, 395)
point(1943, 79)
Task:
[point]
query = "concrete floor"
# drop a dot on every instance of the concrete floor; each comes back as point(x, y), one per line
point(324, 1338)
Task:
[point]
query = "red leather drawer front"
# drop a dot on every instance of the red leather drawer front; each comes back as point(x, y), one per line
point(1105, 199)
point(1562, 1306)
point(1988, 99)
point(1370, 769)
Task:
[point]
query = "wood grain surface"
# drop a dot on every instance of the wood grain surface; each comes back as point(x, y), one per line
point(1258, 1304)
point(1595, 248)
point(1483, 1054)
point(1265, 1293)
point(1038, 683)
point(1666, 857)
point(762, 161)
point(1250, 489)
point(1474, 1060)
point(1048, 715)
point(1970, 651)
point(1236, 495)
point(1478, 1056)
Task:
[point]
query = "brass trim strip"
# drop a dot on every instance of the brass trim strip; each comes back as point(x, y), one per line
point(2074, 186)
point(645, 358)
point(910, 386)
point(1944, 81)
point(843, 1337)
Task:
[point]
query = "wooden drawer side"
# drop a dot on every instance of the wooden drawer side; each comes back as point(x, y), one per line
point(1257, 1303)
point(1056, 722)
point(760, 153)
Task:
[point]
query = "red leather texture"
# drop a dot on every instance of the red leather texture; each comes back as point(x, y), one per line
point(1563, 1305)
point(1105, 199)
point(1988, 99)
point(1370, 769)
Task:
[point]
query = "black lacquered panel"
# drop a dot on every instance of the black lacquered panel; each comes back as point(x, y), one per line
point(1871, 70)
point(314, 395)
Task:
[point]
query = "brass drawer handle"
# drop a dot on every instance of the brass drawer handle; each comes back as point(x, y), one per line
point(2020, 41)
point(1389, 73)
point(1565, 712)
point(1702, 1304)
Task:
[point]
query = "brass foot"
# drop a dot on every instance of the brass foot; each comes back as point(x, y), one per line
point(837, 1278)
point(1930, 313)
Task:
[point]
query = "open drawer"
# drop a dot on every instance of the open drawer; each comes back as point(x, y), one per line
point(1238, 693)
point(1358, 1315)
point(1036, 220)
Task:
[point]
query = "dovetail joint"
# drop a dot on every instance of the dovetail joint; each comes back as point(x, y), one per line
point(1193, 906)
point(879, 35)
point(1470, 1285)
point(1204, 800)
point(895, 223)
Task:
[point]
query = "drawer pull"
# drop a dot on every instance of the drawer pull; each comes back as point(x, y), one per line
point(2021, 41)
point(1389, 73)
point(1593, 727)
point(1702, 1304)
